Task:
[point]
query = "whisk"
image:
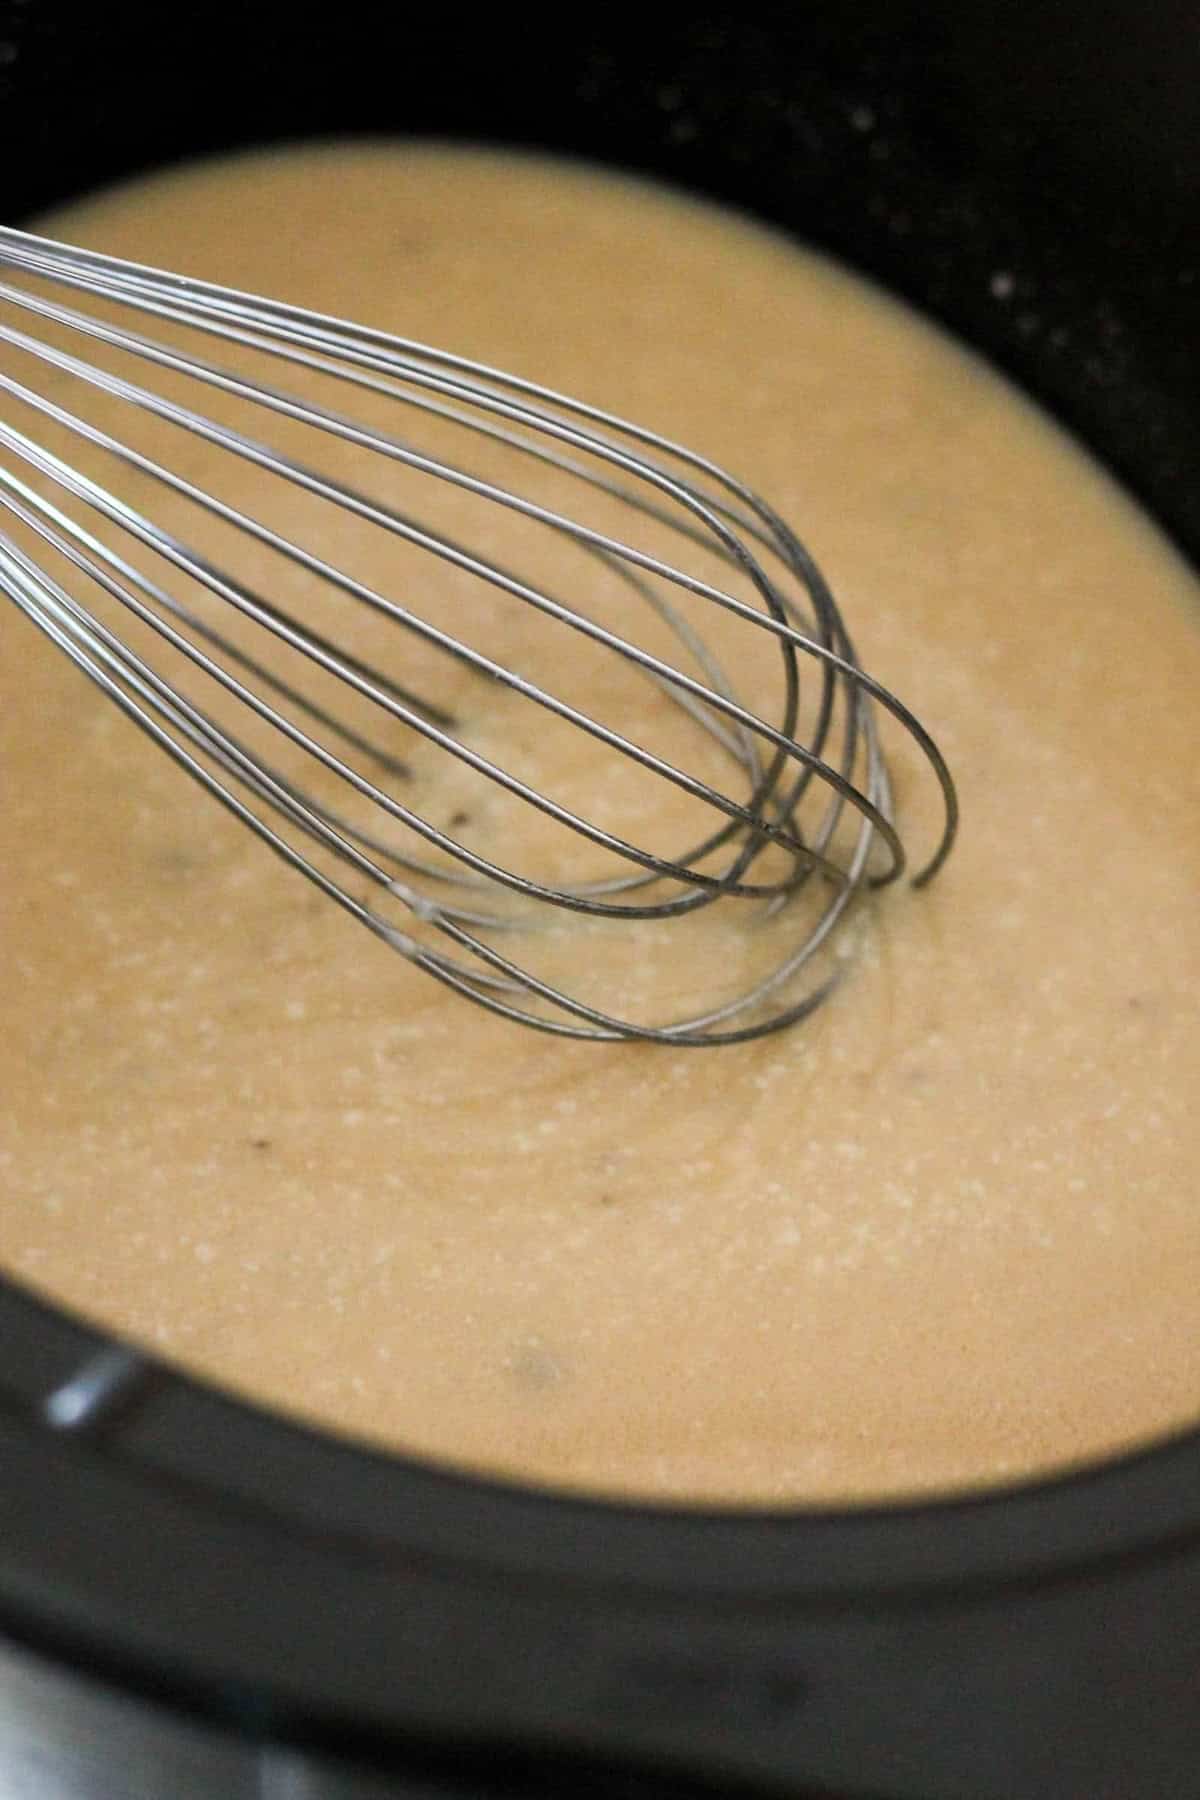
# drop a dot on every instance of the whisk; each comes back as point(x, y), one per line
point(585, 626)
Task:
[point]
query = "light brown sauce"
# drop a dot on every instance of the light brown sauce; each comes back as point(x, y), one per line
point(944, 1233)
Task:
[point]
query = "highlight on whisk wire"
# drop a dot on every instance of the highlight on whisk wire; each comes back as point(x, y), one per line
point(557, 708)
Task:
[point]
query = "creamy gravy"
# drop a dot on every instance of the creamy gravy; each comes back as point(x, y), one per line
point(944, 1233)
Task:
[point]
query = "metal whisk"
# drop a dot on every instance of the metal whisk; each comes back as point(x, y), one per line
point(533, 543)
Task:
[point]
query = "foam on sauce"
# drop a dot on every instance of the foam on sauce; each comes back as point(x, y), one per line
point(944, 1233)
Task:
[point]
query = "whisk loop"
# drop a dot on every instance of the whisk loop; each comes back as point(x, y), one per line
point(288, 684)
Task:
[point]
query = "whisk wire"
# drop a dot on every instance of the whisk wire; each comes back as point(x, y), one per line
point(626, 466)
point(275, 621)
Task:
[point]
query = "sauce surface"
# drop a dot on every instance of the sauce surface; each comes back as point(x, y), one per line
point(944, 1233)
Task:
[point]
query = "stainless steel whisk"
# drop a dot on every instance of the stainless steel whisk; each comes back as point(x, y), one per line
point(213, 659)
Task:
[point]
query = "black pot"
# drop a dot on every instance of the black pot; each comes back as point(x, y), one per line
point(198, 1599)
